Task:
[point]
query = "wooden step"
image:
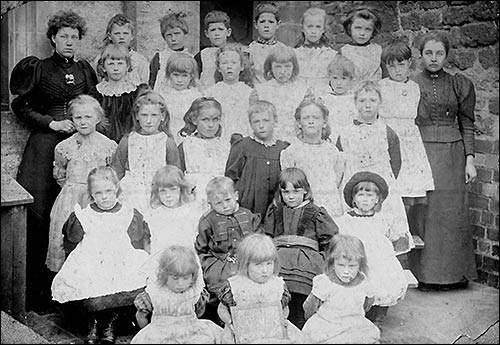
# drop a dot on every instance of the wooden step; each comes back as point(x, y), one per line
point(410, 279)
point(419, 243)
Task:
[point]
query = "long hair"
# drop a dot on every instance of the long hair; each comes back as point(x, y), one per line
point(102, 173)
point(246, 75)
point(298, 178)
point(183, 63)
point(326, 130)
point(256, 248)
point(177, 260)
point(150, 97)
point(194, 111)
point(120, 20)
point(345, 247)
point(366, 13)
point(314, 11)
point(166, 177)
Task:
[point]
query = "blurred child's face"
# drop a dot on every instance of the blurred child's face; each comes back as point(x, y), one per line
point(121, 35)
point(340, 84)
point(313, 27)
point(150, 117)
point(399, 70)
point(104, 193)
point(225, 202)
point(282, 71)
point(178, 284)
point(262, 124)
point(208, 122)
point(115, 69)
point(311, 121)
point(170, 196)
point(85, 119)
point(217, 33)
point(292, 196)
point(230, 66)
point(368, 103)
point(365, 201)
point(261, 272)
point(180, 80)
point(176, 38)
point(267, 25)
point(346, 270)
point(361, 30)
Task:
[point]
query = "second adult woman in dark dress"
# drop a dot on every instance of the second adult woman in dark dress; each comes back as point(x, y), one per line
point(43, 89)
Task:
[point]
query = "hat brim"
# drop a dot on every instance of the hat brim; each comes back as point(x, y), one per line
point(365, 176)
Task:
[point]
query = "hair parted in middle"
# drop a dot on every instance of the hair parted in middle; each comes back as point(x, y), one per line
point(167, 177)
point(120, 20)
point(247, 74)
point(177, 260)
point(256, 248)
point(281, 55)
point(148, 96)
point(194, 111)
point(307, 101)
point(345, 247)
point(103, 173)
point(297, 178)
point(310, 12)
point(366, 13)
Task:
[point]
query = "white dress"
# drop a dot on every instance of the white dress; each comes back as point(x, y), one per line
point(341, 318)
point(313, 65)
point(384, 270)
point(342, 111)
point(104, 262)
point(207, 76)
point(324, 167)
point(399, 110)
point(286, 98)
point(366, 60)
point(258, 54)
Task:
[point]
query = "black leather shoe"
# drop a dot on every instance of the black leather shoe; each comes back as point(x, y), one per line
point(108, 334)
point(93, 336)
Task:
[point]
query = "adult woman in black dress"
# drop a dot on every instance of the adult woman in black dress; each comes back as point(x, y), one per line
point(43, 89)
point(446, 121)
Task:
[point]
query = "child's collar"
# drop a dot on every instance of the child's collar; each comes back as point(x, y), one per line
point(266, 143)
point(270, 41)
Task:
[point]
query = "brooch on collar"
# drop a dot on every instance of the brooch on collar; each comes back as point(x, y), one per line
point(70, 79)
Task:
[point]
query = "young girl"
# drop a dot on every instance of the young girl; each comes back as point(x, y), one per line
point(301, 231)
point(147, 148)
point(316, 155)
point(254, 162)
point(115, 92)
point(256, 282)
point(176, 292)
point(399, 110)
point(233, 92)
point(203, 153)
point(282, 89)
point(106, 244)
point(362, 25)
point(313, 49)
point(180, 89)
point(73, 160)
point(372, 145)
point(336, 306)
point(120, 30)
point(365, 192)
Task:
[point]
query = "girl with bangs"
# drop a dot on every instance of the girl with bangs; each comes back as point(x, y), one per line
point(301, 231)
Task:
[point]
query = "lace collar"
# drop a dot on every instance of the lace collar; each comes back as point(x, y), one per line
point(117, 89)
point(267, 143)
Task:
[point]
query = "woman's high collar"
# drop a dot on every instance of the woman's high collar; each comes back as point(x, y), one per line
point(433, 75)
point(61, 59)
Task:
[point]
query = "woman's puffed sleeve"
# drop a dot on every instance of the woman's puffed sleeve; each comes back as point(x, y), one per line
point(173, 157)
point(120, 158)
point(90, 75)
point(466, 95)
point(72, 233)
point(138, 231)
point(326, 228)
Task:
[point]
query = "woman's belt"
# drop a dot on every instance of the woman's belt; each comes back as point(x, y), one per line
point(294, 240)
point(440, 134)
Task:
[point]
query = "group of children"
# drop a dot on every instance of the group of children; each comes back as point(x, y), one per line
point(242, 175)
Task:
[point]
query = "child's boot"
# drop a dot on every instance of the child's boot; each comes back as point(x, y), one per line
point(108, 334)
point(93, 335)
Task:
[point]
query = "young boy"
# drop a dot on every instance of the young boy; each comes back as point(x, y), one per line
point(174, 30)
point(338, 97)
point(217, 29)
point(266, 21)
point(254, 162)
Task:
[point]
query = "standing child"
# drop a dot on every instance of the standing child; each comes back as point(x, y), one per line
point(336, 306)
point(116, 93)
point(233, 92)
point(176, 292)
point(180, 90)
point(316, 155)
point(282, 89)
point(314, 51)
point(399, 110)
point(174, 30)
point(364, 193)
point(203, 153)
point(73, 160)
point(362, 25)
point(267, 21)
point(301, 231)
point(120, 30)
point(106, 244)
point(146, 149)
point(256, 283)
point(338, 97)
point(373, 146)
point(254, 162)
point(217, 29)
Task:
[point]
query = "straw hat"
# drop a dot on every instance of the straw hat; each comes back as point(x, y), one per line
point(365, 176)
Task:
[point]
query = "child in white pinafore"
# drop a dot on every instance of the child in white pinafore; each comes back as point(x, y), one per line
point(365, 192)
point(399, 110)
point(282, 89)
point(362, 25)
point(256, 283)
point(317, 156)
point(74, 158)
point(336, 306)
point(314, 50)
point(146, 149)
point(176, 294)
point(233, 92)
